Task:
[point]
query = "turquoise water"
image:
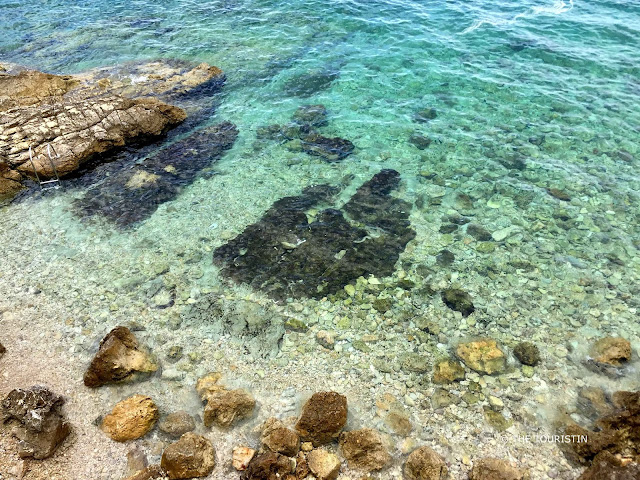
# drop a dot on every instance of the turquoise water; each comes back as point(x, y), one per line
point(528, 98)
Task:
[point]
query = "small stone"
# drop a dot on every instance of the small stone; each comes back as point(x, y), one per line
point(420, 141)
point(425, 464)
point(559, 194)
point(131, 418)
point(527, 353)
point(295, 325)
point(326, 339)
point(528, 371)
point(496, 403)
point(280, 439)
point(458, 300)
point(35, 418)
point(364, 450)
point(136, 460)
point(324, 465)
point(382, 305)
point(496, 419)
point(424, 115)
point(306, 446)
point(445, 258)
point(268, 466)
point(178, 423)
point(442, 398)
point(224, 406)
point(350, 289)
point(175, 353)
point(118, 358)
point(398, 422)
point(447, 371)
point(485, 247)
point(495, 469)
point(323, 417)
point(483, 356)
point(242, 457)
point(152, 472)
point(2, 350)
point(479, 233)
point(612, 350)
point(192, 456)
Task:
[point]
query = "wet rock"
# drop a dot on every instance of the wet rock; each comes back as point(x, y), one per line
point(458, 300)
point(241, 457)
point(34, 416)
point(280, 439)
point(178, 423)
point(527, 353)
point(559, 194)
point(302, 470)
point(310, 83)
point(85, 116)
point(612, 351)
point(223, 407)
point(421, 142)
point(425, 464)
point(483, 356)
point(364, 450)
point(624, 156)
point(285, 254)
point(193, 456)
point(324, 465)
point(323, 417)
point(295, 325)
point(583, 452)
point(445, 258)
point(398, 421)
point(479, 233)
point(447, 371)
point(496, 469)
point(442, 398)
point(330, 149)
point(313, 115)
point(593, 403)
point(118, 358)
point(268, 466)
point(152, 472)
point(131, 418)
point(326, 339)
point(607, 466)
point(425, 115)
point(136, 460)
point(130, 195)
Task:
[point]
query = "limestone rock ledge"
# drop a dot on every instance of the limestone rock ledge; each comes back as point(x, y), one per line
point(83, 116)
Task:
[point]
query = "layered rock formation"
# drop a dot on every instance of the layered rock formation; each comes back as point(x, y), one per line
point(87, 115)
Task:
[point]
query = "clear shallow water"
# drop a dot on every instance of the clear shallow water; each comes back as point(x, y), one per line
point(529, 96)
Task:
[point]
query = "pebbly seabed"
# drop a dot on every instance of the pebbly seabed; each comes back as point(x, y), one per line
point(430, 212)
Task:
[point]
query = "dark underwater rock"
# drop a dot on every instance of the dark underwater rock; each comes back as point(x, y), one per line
point(420, 141)
point(310, 83)
point(527, 353)
point(424, 115)
point(131, 195)
point(331, 149)
point(286, 254)
point(313, 115)
point(458, 300)
point(479, 233)
point(445, 258)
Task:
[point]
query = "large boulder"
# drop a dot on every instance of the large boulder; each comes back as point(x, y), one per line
point(192, 456)
point(119, 357)
point(323, 417)
point(88, 115)
point(131, 418)
point(34, 416)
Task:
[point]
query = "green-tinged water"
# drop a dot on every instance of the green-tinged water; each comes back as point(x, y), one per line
point(515, 129)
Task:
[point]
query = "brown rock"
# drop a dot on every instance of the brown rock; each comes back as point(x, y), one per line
point(483, 356)
point(192, 456)
point(583, 452)
point(302, 467)
point(593, 403)
point(612, 350)
point(280, 439)
point(241, 457)
point(607, 466)
point(323, 417)
point(131, 418)
point(496, 469)
point(224, 406)
point(364, 449)
point(118, 358)
point(425, 464)
point(268, 466)
point(178, 423)
point(152, 472)
point(2, 350)
point(398, 422)
point(35, 418)
point(324, 465)
point(136, 460)
point(447, 371)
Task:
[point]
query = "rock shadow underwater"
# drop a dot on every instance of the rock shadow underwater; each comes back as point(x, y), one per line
point(130, 195)
point(288, 253)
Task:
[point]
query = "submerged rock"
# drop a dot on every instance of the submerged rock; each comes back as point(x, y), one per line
point(447, 371)
point(310, 83)
point(612, 351)
point(131, 419)
point(458, 300)
point(241, 457)
point(88, 115)
point(2, 350)
point(35, 418)
point(496, 469)
point(280, 439)
point(330, 149)
point(425, 115)
point(324, 465)
point(527, 353)
point(268, 466)
point(421, 142)
point(223, 406)
point(313, 115)
point(119, 357)
point(193, 456)
point(288, 254)
point(607, 466)
point(483, 356)
point(178, 423)
point(131, 195)
point(364, 450)
point(425, 464)
point(323, 417)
